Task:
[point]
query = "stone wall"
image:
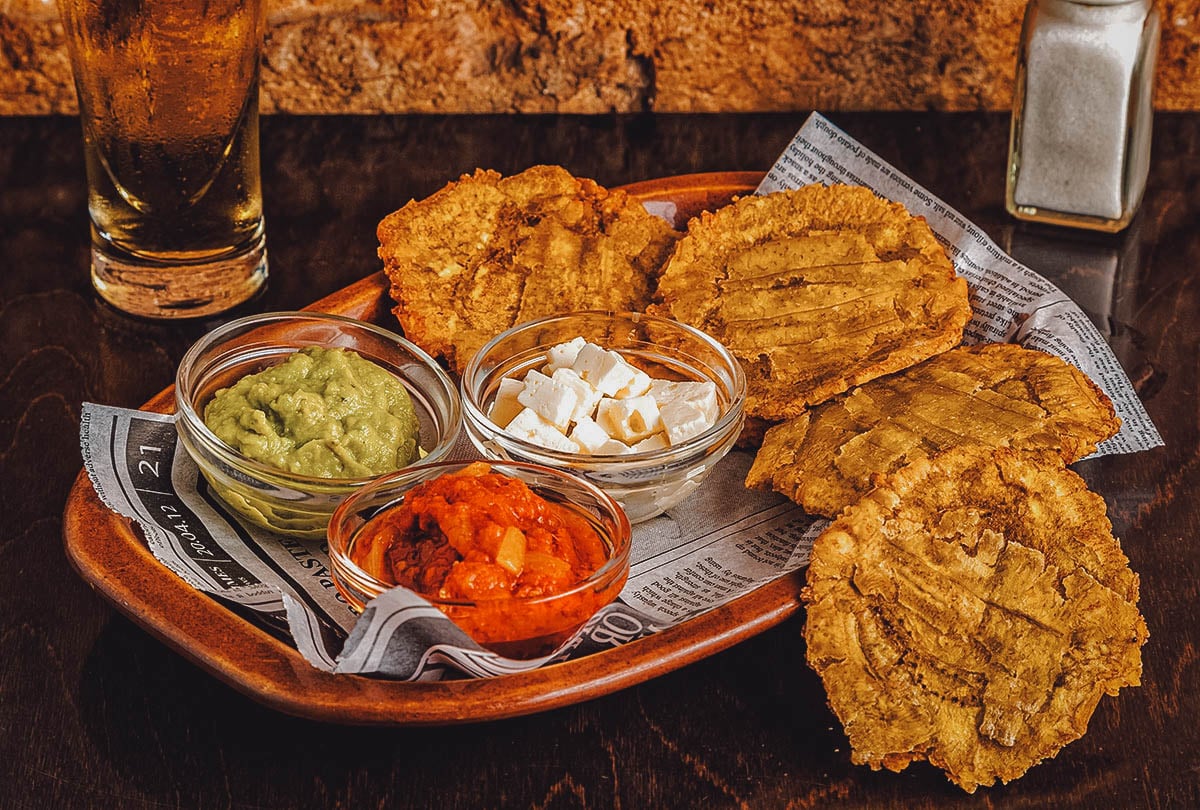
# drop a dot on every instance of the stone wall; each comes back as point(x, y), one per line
point(596, 56)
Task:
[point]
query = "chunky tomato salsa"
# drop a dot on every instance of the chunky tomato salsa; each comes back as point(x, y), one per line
point(476, 534)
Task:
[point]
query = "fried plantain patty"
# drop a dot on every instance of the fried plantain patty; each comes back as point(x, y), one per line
point(995, 395)
point(815, 290)
point(971, 610)
point(488, 252)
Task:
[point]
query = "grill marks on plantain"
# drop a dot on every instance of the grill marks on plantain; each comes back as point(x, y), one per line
point(815, 313)
point(971, 610)
point(815, 290)
point(487, 252)
point(984, 396)
point(825, 275)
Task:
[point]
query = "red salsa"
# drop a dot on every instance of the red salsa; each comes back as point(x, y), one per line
point(477, 534)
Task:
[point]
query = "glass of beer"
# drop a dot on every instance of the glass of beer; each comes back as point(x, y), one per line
point(168, 98)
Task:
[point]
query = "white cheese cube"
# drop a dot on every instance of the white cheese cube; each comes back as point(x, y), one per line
point(563, 355)
point(506, 406)
point(531, 427)
point(550, 400)
point(588, 396)
point(682, 420)
point(701, 395)
point(639, 385)
point(606, 371)
point(629, 420)
point(612, 447)
point(590, 436)
point(656, 442)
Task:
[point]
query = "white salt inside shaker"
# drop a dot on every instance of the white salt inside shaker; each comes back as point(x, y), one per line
point(1079, 151)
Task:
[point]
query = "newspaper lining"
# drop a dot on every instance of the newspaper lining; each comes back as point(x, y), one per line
point(721, 543)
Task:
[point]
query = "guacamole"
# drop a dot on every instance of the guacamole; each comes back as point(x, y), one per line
point(327, 413)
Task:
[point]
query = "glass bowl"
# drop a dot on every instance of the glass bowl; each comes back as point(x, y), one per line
point(517, 627)
point(644, 483)
point(285, 502)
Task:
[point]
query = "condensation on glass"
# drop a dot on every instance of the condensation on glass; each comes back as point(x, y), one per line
point(168, 99)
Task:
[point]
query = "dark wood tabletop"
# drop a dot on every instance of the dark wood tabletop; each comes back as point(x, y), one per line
point(96, 713)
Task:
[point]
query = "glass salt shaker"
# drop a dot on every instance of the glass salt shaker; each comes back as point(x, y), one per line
point(1079, 148)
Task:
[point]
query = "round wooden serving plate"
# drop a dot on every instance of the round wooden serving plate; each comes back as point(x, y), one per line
point(110, 554)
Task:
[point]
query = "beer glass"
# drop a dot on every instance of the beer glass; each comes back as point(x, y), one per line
point(168, 98)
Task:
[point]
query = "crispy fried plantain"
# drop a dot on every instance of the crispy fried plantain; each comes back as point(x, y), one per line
point(995, 395)
point(487, 252)
point(971, 611)
point(815, 290)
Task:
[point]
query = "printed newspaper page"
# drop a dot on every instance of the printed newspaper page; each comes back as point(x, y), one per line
point(719, 544)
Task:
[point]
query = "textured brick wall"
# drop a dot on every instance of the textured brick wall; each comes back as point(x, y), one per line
point(593, 56)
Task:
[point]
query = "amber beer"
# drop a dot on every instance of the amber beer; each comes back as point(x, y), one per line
point(168, 97)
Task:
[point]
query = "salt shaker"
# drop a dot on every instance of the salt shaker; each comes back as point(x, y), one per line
point(1079, 149)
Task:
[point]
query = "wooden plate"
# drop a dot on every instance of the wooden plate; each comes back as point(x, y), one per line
point(109, 553)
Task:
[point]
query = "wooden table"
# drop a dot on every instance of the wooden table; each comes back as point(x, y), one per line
point(96, 713)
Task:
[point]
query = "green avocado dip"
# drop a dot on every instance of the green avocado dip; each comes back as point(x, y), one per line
point(326, 413)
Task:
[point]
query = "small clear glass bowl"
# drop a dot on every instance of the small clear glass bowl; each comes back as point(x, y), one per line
point(516, 627)
point(284, 502)
point(646, 483)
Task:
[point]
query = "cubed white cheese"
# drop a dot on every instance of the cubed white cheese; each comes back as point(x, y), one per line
point(629, 420)
point(588, 399)
point(639, 385)
point(682, 420)
point(531, 427)
point(552, 401)
point(701, 395)
point(612, 447)
point(564, 354)
point(656, 442)
point(606, 371)
point(588, 396)
point(506, 406)
point(590, 436)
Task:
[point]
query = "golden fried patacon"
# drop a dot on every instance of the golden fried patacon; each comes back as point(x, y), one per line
point(994, 395)
point(971, 611)
point(815, 290)
point(487, 252)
